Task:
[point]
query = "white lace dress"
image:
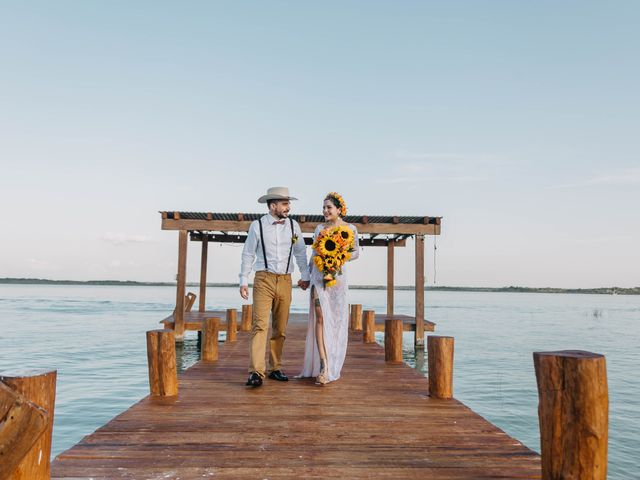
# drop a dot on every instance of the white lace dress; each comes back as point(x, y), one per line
point(335, 312)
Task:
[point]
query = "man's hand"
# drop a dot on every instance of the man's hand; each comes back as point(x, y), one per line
point(244, 292)
point(303, 284)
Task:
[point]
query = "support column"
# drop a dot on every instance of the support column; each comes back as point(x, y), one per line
point(181, 278)
point(203, 272)
point(390, 282)
point(419, 339)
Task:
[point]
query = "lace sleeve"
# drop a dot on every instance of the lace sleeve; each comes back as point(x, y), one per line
point(356, 251)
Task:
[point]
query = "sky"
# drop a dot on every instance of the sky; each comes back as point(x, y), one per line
point(517, 122)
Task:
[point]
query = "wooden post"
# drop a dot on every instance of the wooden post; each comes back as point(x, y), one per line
point(369, 335)
point(440, 364)
point(247, 313)
point(393, 340)
point(356, 317)
point(161, 357)
point(390, 281)
point(182, 276)
point(203, 272)
point(210, 339)
point(23, 423)
point(419, 339)
point(232, 324)
point(39, 388)
point(573, 411)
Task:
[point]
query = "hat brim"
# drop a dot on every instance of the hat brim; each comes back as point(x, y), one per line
point(266, 198)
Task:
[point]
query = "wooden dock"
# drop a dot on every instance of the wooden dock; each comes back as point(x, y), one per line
point(377, 421)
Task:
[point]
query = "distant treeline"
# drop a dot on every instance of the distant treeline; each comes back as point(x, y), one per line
point(130, 283)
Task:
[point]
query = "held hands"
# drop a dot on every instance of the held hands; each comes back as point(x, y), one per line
point(244, 292)
point(303, 284)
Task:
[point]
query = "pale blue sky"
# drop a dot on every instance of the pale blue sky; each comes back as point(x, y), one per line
point(515, 121)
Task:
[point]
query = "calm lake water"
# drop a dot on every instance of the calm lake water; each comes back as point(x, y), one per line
point(95, 338)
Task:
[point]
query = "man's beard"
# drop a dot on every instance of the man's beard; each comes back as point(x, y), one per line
point(283, 215)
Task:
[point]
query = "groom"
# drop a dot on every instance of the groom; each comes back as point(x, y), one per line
point(271, 242)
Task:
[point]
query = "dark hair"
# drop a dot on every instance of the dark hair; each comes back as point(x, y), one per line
point(335, 202)
point(269, 202)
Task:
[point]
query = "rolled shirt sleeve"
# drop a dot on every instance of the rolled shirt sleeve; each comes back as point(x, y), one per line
point(249, 254)
point(300, 252)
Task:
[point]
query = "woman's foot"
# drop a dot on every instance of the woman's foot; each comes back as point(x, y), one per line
point(323, 378)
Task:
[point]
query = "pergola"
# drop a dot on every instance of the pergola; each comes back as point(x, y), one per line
point(374, 231)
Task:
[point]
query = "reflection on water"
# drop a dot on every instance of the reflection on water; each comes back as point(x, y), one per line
point(95, 338)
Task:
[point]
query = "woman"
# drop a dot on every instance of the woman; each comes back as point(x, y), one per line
point(328, 331)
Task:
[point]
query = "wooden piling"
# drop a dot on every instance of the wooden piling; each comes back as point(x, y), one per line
point(232, 324)
point(440, 364)
point(369, 335)
point(161, 357)
point(573, 412)
point(355, 319)
point(247, 313)
point(393, 340)
point(210, 339)
point(39, 388)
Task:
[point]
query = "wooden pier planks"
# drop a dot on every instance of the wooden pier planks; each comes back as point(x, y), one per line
point(375, 422)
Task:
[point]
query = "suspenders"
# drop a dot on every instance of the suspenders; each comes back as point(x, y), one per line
point(264, 251)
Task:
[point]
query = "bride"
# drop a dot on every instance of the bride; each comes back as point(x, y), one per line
point(328, 330)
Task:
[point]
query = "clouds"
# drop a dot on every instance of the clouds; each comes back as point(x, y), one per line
point(125, 239)
point(621, 177)
point(414, 167)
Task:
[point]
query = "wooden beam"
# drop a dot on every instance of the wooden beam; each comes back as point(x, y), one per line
point(419, 340)
point(181, 278)
point(390, 280)
point(203, 273)
point(307, 227)
point(234, 238)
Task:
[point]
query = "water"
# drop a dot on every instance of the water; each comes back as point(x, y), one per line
point(95, 338)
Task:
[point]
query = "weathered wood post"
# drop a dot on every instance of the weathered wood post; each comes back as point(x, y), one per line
point(390, 270)
point(356, 317)
point(393, 340)
point(161, 357)
point(247, 313)
point(573, 412)
point(210, 339)
point(38, 388)
point(232, 324)
point(203, 272)
point(419, 338)
point(440, 364)
point(369, 335)
point(180, 286)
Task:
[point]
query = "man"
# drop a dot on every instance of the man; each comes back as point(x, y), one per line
point(271, 243)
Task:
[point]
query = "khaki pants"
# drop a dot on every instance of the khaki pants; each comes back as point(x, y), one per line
point(271, 297)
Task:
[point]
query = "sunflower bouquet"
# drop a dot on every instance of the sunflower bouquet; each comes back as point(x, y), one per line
point(333, 248)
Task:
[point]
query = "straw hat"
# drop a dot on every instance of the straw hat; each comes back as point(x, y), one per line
point(276, 193)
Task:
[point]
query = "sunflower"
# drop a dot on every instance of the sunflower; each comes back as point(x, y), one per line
point(330, 263)
point(327, 246)
point(346, 234)
point(319, 262)
point(331, 283)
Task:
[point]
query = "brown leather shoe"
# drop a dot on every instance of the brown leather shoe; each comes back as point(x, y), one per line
point(278, 375)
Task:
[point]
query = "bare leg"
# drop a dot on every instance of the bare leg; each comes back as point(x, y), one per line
point(320, 335)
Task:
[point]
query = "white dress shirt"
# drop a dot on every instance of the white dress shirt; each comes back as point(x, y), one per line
point(277, 244)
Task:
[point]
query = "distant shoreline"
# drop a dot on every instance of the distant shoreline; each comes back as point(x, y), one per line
point(511, 289)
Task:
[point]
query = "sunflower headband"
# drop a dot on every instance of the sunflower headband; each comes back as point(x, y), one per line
point(342, 205)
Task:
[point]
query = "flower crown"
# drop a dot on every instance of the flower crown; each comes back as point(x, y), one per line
point(342, 205)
